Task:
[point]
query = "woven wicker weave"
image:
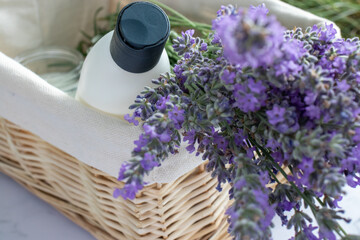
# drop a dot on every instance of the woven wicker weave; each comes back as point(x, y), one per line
point(189, 208)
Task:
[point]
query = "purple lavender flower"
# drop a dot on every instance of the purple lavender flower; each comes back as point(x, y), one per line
point(326, 234)
point(250, 97)
point(336, 201)
point(250, 152)
point(165, 137)
point(276, 115)
point(148, 163)
point(282, 207)
point(353, 181)
point(273, 144)
point(289, 123)
point(240, 184)
point(269, 212)
point(344, 47)
point(290, 96)
point(129, 191)
point(239, 138)
point(141, 142)
point(226, 11)
point(306, 166)
point(310, 97)
point(301, 178)
point(343, 86)
point(220, 141)
point(250, 38)
point(190, 148)
point(190, 138)
point(150, 131)
point(185, 43)
point(313, 112)
point(356, 137)
point(308, 231)
point(124, 167)
point(203, 47)
point(290, 63)
point(216, 40)
point(256, 87)
point(161, 103)
point(228, 77)
point(189, 32)
point(250, 198)
point(131, 119)
point(179, 73)
point(328, 34)
point(247, 102)
point(187, 55)
point(260, 9)
point(177, 116)
point(116, 193)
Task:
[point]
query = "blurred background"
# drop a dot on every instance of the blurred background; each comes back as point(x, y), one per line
point(27, 24)
point(345, 13)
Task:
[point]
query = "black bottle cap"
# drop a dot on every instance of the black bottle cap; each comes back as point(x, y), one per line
point(139, 38)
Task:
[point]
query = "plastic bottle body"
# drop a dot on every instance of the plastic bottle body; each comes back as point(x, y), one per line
point(105, 86)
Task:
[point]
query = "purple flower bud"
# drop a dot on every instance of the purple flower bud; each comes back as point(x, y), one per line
point(177, 116)
point(343, 86)
point(228, 77)
point(256, 87)
point(328, 34)
point(313, 112)
point(165, 137)
point(131, 119)
point(189, 32)
point(250, 38)
point(148, 163)
point(276, 115)
point(140, 143)
point(129, 191)
point(123, 169)
point(150, 131)
point(261, 9)
point(203, 47)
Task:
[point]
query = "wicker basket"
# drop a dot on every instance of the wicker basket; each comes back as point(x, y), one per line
point(188, 208)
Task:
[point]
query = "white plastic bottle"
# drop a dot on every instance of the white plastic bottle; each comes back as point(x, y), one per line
point(125, 60)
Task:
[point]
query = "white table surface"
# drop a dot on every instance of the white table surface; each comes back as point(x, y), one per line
point(26, 217)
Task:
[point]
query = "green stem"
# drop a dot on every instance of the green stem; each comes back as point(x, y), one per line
point(273, 175)
point(183, 24)
point(321, 202)
point(342, 230)
point(264, 120)
point(181, 20)
point(196, 25)
point(213, 48)
point(306, 199)
point(279, 168)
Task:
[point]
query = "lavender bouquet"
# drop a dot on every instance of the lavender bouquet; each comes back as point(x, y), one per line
point(275, 113)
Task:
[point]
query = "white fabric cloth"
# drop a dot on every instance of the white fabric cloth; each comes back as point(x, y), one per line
point(98, 140)
point(94, 138)
point(27, 24)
